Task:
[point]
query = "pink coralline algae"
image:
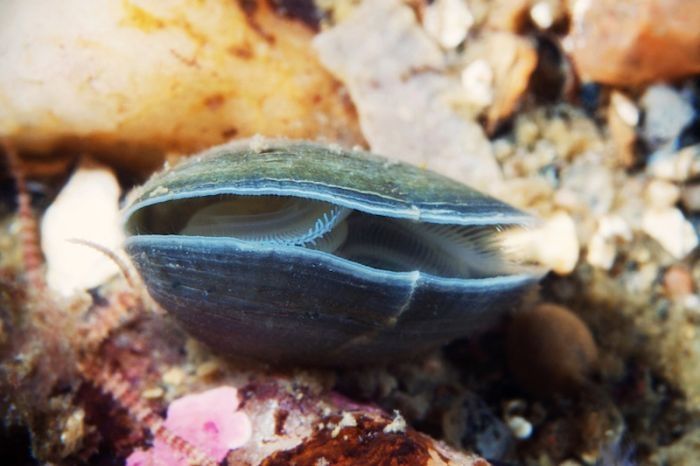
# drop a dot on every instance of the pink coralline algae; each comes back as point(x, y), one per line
point(209, 421)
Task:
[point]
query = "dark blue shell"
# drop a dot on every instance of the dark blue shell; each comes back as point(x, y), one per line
point(290, 304)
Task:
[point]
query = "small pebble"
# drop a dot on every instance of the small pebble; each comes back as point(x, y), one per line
point(602, 247)
point(448, 21)
point(526, 132)
point(87, 208)
point(690, 196)
point(675, 166)
point(477, 81)
point(661, 194)
point(671, 229)
point(520, 427)
point(397, 425)
point(73, 431)
point(174, 376)
point(623, 117)
point(550, 350)
point(601, 252)
point(625, 108)
point(666, 113)
point(208, 369)
point(678, 282)
point(558, 245)
point(592, 181)
point(573, 463)
point(153, 393)
point(542, 14)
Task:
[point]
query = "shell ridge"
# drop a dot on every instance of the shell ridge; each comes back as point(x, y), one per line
point(407, 211)
point(409, 298)
point(486, 283)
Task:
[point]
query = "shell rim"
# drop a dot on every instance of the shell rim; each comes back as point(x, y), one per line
point(412, 213)
point(357, 269)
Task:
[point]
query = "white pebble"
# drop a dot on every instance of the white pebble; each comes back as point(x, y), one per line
point(601, 252)
point(397, 425)
point(542, 14)
point(614, 226)
point(671, 229)
point(667, 112)
point(520, 427)
point(88, 209)
point(661, 194)
point(477, 80)
point(448, 21)
point(675, 166)
point(602, 247)
point(625, 108)
point(558, 245)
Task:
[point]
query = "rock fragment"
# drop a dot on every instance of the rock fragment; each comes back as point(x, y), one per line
point(623, 116)
point(690, 196)
point(630, 42)
point(666, 113)
point(205, 72)
point(675, 166)
point(602, 247)
point(448, 22)
point(550, 350)
point(402, 99)
point(512, 60)
point(86, 209)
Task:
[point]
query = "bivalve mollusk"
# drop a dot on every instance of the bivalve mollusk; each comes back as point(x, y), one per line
point(299, 252)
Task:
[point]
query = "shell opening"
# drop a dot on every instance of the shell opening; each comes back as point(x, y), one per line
point(392, 244)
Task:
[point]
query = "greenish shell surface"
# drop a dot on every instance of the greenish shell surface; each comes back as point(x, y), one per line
point(355, 179)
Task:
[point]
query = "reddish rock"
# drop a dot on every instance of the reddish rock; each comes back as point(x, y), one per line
point(630, 42)
point(678, 281)
point(550, 351)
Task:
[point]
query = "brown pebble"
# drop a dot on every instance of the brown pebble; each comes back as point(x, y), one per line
point(550, 351)
point(678, 282)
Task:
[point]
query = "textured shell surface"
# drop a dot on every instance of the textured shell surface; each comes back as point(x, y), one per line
point(300, 252)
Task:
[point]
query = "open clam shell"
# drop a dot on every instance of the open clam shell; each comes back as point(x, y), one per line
point(299, 252)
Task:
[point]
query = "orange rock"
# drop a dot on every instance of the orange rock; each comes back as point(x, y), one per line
point(550, 350)
point(512, 60)
point(630, 42)
point(129, 81)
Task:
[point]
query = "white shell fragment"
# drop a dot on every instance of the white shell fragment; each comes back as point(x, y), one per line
point(404, 105)
point(88, 209)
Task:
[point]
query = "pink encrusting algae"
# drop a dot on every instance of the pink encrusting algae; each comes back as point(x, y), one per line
point(209, 420)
